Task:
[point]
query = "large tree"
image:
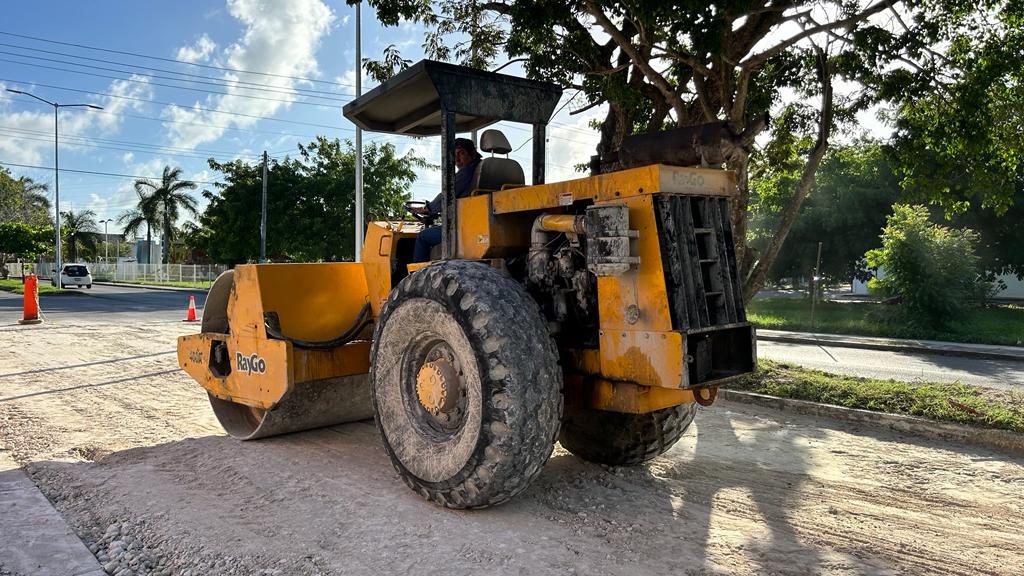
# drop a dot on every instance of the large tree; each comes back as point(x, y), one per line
point(166, 200)
point(23, 200)
point(658, 64)
point(310, 202)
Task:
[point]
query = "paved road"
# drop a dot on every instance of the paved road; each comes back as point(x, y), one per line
point(116, 302)
point(897, 365)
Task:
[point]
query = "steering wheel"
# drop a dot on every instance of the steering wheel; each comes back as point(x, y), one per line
point(425, 219)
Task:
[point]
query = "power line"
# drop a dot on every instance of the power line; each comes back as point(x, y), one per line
point(93, 173)
point(125, 149)
point(181, 122)
point(119, 142)
point(164, 70)
point(184, 107)
point(137, 55)
point(148, 83)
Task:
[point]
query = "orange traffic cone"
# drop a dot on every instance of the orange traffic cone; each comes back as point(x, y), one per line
point(191, 309)
point(31, 314)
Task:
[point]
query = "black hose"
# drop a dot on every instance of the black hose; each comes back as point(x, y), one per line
point(365, 317)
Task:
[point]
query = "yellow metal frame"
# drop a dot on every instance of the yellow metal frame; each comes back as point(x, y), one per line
point(309, 303)
point(640, 363)
point(616, 186)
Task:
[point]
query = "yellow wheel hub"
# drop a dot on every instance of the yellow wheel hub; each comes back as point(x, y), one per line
point(437, 386)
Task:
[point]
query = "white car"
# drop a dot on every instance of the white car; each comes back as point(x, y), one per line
point(74, 275)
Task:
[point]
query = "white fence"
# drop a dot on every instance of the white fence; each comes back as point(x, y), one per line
point(133, 271)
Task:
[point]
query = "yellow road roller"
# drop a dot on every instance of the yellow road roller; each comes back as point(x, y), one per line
point(597, 312)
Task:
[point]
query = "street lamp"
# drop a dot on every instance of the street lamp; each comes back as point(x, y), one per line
point(56, 165)
point(106, 242)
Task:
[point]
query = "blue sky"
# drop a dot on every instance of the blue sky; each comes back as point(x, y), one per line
point(147, 123)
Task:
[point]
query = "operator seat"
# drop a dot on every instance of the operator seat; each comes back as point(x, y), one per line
point(494, 172)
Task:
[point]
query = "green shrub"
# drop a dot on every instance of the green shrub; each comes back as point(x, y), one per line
point(933, 269)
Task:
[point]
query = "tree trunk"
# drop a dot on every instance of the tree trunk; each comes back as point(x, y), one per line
point(759, 272)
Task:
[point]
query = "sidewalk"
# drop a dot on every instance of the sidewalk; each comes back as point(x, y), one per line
point(35, 539)
point(897, 345)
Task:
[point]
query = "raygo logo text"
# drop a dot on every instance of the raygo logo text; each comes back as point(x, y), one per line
point(250, 364)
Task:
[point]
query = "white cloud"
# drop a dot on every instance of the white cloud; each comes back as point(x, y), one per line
point(127, 157)
point(279, 38)
point(571, 141)
point(198, 52)
point(31, 129)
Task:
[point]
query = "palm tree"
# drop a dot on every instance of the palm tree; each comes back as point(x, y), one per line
point(80, 228)
point(35, 192)
point(166, 199)
point(144, 214)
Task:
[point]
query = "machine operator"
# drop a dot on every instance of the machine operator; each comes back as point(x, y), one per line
point(467, 159)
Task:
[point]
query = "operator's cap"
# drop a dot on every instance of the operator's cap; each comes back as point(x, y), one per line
point(467, 145)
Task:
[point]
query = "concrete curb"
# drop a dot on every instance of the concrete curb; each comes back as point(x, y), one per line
point(1001, 440)
point(151, 287)
point(953, 349)
point(36, 540)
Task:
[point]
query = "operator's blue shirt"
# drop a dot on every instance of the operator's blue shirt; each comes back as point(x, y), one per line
point(463, 179)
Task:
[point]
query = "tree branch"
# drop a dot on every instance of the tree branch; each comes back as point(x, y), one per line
point(761, 57)
point(705, 106)
point(689, 60)
point(627, 48)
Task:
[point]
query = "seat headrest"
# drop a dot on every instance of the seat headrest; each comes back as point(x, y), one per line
point(494, 141)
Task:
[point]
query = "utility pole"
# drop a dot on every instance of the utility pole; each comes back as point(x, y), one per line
point(56, 167)
point(263, 213)
point(358, 135)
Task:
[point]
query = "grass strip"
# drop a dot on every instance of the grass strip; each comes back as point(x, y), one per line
point(184, 284)
point(1001, 324)
point(978, 406)
point(17, 287)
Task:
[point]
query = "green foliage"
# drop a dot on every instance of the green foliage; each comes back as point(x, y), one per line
point(945, 402)
point(16, 287)
point(27, 241)
point(933, 269)
point(961, 142)
point(854, 189)
point(310, 203)
point(23, 200)
point(1002, 324)
point(1001, 245)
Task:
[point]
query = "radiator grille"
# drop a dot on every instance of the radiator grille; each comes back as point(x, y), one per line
point(699, 260)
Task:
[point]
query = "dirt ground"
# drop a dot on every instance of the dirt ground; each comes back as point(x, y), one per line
point(127, 449)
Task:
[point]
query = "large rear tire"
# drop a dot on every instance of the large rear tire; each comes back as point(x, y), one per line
point(620, 439)
point(466, 384)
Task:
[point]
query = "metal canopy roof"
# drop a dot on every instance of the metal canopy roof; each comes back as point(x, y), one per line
point(411, 102)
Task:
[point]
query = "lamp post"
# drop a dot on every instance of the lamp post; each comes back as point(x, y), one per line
point(106, 242)
point(56, 165)
point(360, 224)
